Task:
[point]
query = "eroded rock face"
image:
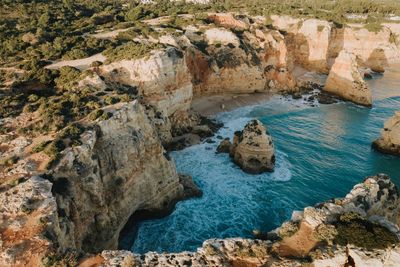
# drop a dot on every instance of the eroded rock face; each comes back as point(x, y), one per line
point(373, 203)
point(323, 235)
point(389, 141)
point(345, 80)
point(162, 79)
point(28, 211)
point(252, 149)
point(316, 43)
point(120, 168)
point(374, 50)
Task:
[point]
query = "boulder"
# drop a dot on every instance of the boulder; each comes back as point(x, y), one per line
point(345, 80)
point(252, 149)
point(389, 141)
point(224, 146)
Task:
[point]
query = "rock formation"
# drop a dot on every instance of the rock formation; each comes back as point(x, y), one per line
point(362, 228)
point(389, 141)
point(120, 168)
point(224, 146)
point(252, 148)
point(345, 80)
point(162, 79)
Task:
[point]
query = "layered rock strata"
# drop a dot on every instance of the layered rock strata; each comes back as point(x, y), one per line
point(252, 149)
point(361, 229)
point(88, 196)
point(389, 141)
point(316, 43)
point(345, 80)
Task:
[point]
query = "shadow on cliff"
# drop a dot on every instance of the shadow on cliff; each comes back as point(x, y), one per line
point(299, 50)
point(336, 42)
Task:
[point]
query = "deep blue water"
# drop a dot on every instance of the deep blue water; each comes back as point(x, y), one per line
point(322, 152)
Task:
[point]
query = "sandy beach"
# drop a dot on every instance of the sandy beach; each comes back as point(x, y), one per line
point(214, 104)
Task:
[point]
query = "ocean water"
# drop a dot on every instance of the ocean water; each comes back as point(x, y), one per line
point(322, 152)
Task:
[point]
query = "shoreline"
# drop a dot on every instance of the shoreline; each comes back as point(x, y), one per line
point(212, 105)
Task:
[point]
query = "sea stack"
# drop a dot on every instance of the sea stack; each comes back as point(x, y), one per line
point(389, 141)
point(345, 80)
point(252, 149)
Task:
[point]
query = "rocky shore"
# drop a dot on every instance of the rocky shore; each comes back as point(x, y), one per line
point(389, 141)
point(70, 194)
point(361, 229)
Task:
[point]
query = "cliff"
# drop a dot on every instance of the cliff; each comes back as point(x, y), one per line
point(362, 228)
point(316, 43)
point(389, 141)
point(120, 168)
point(345, 80)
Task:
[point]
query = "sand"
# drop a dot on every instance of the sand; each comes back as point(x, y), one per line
point(80, 64)
point(214, 104)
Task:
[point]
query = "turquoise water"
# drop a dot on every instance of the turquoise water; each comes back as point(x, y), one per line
point(322, 152)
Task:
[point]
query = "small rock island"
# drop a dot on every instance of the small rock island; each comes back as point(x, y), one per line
point(389, 141)
point(252, 148)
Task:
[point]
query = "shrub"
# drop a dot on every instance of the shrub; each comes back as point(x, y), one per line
point(131, 50)
point(95, 114)
point(69, 77)
point(40, 147)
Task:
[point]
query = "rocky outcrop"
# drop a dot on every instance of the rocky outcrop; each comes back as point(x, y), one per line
point(86, 198)
point(389, 141)
point(374, 203)
point(224, 146)
point(247, 62)
point(315, 44)
point(123, 157)
point(28, 218)
point(252, 149)
point(361, 229)
point(345, 80)
point(308, 42)
point(163, 81)
point(375, 50)
point(227, 20)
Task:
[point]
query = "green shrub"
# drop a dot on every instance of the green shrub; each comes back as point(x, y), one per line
point(131, 50)
point(9, 161)
point(353, 229)
point(373, 27)
point(106, 116)
point(40, 147)
point(110, 100)
point(69, 77)
point(54, 148)
point(95, 114)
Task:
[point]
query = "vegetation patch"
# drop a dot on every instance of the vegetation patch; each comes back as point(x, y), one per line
point(288, 229)
point(131, 50)
point(353, 229)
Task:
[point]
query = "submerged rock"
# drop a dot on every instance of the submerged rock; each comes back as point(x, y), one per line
point(224, 146)
point(389, 142)
point(345, 80)
point(252, 149)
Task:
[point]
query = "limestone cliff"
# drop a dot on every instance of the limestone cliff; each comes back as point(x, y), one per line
point(316, 43)
point(119, 168)
point(346, 81)
point(318, 236)
point(389, 141)
point(163, 80)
